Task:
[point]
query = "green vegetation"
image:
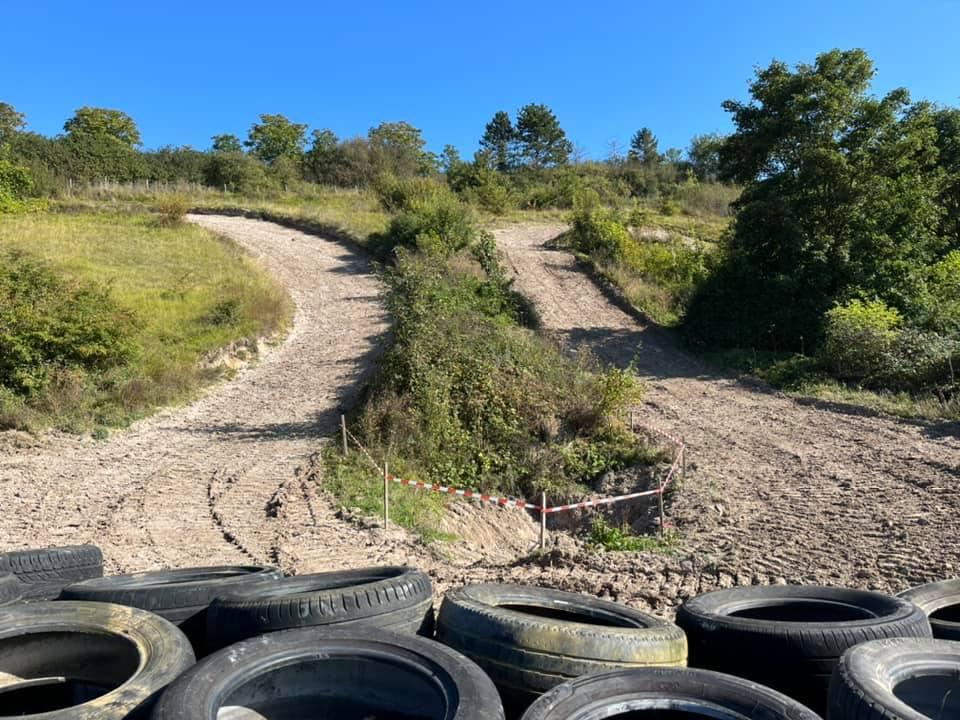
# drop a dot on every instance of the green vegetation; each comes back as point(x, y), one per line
point(609, 537)
point(104, 317)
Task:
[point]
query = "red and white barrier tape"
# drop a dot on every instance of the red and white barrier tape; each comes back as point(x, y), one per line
point(514, 502)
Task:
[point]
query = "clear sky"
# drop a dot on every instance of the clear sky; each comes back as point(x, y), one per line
point(189, 70)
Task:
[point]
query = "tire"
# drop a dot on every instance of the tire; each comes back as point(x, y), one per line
point(529, 639)
point(180, 596)
point(44, 573)
point(327, 672)
point(897, 679)
point(941, 603)
point(11, 589)
point(790, 638)
point(394, 598)
point(86, 661)
point(694, 693)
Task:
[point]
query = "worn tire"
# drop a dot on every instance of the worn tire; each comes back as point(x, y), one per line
point(115, 660)
point(789, 637)
point(393, 598)
point(694, 693)
point(45, 572)
point(531, 639)
point(11, 589)
point(941, 602)
point(328, 672)
point(180, 596)
point(897, 679)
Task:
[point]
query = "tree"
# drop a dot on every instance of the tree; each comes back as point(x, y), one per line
point(704, 155)
point(102, 122)
point(11, 122)
point(541, 142)
point(841, 200)
point(226, 143)
point(398, 148)
point(643, 148)
point(275, 137)
point(321, 159)
point(499, 141)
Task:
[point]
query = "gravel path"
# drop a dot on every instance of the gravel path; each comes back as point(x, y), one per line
point(778, 489)
point(222, 480)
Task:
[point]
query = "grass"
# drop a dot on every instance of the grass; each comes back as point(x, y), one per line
point(608, 537)
point(803, 377)
point(192, 293)
point(358, 488)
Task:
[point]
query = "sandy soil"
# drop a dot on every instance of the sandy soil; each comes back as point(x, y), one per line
point(777, 490)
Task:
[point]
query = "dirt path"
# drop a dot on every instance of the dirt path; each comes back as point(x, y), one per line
point(779, 490)
point(223, 480)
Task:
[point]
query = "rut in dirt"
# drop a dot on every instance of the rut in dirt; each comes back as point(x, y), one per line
point(230, 479)
point(779, 490)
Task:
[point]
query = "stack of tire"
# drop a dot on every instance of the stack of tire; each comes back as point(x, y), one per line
point(359, 644)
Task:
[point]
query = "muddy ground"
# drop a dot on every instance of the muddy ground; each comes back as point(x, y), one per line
point(777, 490)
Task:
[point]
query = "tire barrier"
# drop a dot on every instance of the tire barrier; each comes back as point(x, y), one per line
point(530, 639)
point(86, 660)
point(665, 692)
point(320, 672)
point(45, 572)
point(399, 599)
point(941, 602)
point(791, 637)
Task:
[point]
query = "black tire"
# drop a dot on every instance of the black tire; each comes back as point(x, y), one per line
point(897, 679)
point(335, 673)
point(790, 637)
point(529, 639)
point(395, 598)
point(11, 589)
point(86, 661)
point(180, 596)
point(941, 602)
point(692, 693)
point(44, 573)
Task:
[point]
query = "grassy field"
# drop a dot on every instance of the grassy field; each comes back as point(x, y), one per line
point(190, 292)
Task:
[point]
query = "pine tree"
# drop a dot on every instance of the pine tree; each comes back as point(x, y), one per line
point(643, 147)
point(499, 141)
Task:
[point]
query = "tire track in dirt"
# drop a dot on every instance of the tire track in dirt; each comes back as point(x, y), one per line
point(779, 490)
point(192, 485)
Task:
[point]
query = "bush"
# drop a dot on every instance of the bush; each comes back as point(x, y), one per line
point(47, 323)
point(172, 207)
point(16, 185)
point(430, 218)
point(858, 337)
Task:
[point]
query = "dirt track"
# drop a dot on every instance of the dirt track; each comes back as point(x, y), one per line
point(778, 490)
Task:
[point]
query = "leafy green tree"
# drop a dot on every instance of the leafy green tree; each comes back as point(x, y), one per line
point(11, 122)
point(643, 148)
point(102, 122)
point(948, 143)
point(841, 200)
point(704, 155)
point(499, 142)
point(321, 159)
point(399, 148)
point(226, 143)
point(541, 142)
point(450, 159)
point(275, 137)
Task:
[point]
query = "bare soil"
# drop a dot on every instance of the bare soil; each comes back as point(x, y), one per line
point(777, 490)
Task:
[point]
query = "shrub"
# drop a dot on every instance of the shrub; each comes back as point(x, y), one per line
point(430, 218)
point(859, 336)
point(16, 185)
point(48, 323)
point(172, 207)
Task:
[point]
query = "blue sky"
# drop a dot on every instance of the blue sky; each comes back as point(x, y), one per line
point(186, 71)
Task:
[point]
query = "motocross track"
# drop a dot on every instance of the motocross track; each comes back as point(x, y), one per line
point(777, 490)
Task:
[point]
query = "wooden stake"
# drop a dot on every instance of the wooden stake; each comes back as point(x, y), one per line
point(386, 495)
point(543, 519)
point(343, 433)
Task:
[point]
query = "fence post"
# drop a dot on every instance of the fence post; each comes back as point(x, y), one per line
point(632, 425)
point(343, 434)
point(683, 455)
point(543, 518)
point(660, 501)
point(386, 495)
